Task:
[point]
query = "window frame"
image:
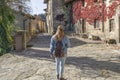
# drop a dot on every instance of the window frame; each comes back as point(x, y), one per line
point(96, 24)
point(111, 25)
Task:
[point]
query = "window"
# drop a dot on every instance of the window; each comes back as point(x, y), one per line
point(83, 2)
point(112, 25)
point(96, 23)
point(95, 0)
point(111, 1)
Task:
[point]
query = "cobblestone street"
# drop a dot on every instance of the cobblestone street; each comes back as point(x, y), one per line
point(86, 60)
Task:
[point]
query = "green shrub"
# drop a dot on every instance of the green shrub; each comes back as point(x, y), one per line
point(85, 36)
point(95, 37)
point(111, 41)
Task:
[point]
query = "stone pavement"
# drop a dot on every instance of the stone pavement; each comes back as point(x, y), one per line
point(87, 60)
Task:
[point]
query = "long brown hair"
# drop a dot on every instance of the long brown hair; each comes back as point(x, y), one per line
point(59, 33)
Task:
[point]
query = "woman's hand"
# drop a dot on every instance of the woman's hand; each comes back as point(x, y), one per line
point(51, 55)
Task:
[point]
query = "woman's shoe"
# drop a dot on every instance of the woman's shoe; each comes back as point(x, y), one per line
point(58, 76)
point(62, 79)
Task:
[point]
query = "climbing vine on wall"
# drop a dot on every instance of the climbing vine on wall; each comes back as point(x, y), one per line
point(6, 24)
point(91, 10)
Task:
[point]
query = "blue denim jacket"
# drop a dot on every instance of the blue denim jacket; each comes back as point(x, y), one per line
point(65, 41)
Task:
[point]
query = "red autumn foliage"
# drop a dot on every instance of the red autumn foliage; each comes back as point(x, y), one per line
point(93, 10)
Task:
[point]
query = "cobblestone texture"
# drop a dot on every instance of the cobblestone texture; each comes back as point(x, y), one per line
point(87, 60)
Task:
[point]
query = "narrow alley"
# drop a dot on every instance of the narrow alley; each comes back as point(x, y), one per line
point(86, 60)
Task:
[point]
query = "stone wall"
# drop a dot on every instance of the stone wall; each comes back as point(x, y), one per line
point(55, 15)
point(57, 10)
point(107, 34)
point(49, 16)
point(19, 20)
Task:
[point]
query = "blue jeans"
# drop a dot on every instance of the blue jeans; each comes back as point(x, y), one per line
point(60, 66)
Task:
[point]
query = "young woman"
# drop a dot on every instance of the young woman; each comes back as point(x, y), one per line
point(60, 61)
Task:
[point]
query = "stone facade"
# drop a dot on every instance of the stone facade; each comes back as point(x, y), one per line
point(39, 24)
point(31, 24)
point(55, 15)
point(115, 31)
point(111, 26)
point(49, 16)
point(23, 22)
point(57, 11)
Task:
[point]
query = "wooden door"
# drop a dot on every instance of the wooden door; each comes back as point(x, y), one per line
point(84, 26)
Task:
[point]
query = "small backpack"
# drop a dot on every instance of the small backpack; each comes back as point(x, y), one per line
point(59, 52)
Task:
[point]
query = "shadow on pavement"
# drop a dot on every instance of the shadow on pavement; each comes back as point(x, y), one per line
point(36, 54)
point(82, 62)
point(43, 41)
point(76, 42)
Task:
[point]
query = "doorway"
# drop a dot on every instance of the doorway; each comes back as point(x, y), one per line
point(83, 26)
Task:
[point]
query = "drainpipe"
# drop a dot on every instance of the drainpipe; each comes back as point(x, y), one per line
point(103, 17)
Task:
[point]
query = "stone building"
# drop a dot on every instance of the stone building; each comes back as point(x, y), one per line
point(49, 16)
point(112, 25)
point(39, 24)
point(110, 30)
point(30, 24)
point(55, 15)
point(23, 22)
